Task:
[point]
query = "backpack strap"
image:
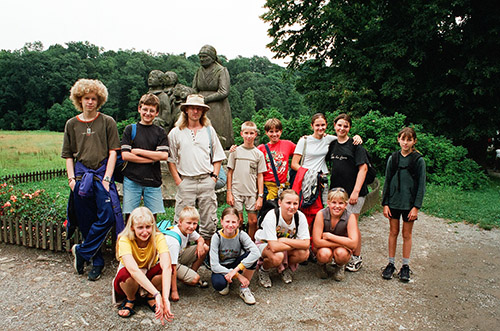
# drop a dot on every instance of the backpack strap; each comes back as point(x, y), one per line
point(173, 234)
point(273, 166)
point(295, 218)
point(134, 132)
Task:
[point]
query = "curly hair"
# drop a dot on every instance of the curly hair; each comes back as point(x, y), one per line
point(84, 86)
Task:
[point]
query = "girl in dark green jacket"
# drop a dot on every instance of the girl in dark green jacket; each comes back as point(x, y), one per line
point(403, 194)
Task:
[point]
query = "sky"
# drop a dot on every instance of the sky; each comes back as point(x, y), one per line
point(233, 27)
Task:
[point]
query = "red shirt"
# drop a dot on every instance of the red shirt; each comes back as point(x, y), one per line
point(281, 152)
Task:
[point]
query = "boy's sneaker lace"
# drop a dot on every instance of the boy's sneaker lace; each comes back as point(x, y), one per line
point(388, 271)
point(247, 295)
point(286, 275)
point(264, 279)
point(354, 263)
point(404, 273)
point(225, 291)
point(338, 273)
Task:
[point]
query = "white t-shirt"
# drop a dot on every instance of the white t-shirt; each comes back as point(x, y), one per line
point(498, 153)
point(246, 163)
point(173, 244)
point(191, 152)
point(316, 150)
point(270, 231)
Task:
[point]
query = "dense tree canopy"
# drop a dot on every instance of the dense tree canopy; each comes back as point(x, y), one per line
point(35, 83)
point(437, 62)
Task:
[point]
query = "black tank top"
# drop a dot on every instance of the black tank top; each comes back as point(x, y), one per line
point(341, 227)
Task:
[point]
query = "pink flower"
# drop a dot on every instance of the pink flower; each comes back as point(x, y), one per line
point(13, 198)
point(7, 204)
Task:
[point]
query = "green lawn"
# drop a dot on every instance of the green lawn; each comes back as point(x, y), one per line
point(27, 151)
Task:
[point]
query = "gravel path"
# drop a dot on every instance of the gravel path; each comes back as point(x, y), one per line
point(455, 285)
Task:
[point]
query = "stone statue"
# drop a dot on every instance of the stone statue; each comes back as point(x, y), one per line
point(156, 81)
point(212, 81)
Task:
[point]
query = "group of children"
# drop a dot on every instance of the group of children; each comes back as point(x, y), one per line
point(152, 263)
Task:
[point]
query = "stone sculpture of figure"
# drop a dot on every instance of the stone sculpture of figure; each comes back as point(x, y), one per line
point(156, 80)
point(212, 81)
point(178, 95)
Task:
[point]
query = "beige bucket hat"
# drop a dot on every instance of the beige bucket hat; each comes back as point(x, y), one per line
point(194, 100)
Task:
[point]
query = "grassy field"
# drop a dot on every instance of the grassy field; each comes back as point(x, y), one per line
point(26, 151)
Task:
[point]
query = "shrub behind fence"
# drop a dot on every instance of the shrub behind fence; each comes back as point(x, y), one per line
point(34, 176)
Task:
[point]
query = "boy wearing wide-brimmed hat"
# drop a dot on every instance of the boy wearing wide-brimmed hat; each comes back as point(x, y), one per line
point(194, 164)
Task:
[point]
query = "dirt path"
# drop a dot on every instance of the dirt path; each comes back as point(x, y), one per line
point(455, 285)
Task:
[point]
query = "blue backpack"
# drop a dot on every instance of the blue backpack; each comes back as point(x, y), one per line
point(165, 227)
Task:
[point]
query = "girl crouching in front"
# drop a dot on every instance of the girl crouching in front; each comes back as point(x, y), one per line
point(144, 263)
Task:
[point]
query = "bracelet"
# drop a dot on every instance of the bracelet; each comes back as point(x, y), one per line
point(70, 179)
point(157, 293)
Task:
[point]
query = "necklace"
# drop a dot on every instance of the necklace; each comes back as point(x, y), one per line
point(89, 127)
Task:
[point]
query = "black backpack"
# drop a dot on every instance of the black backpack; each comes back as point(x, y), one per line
point(412, 165)
point(270, 205)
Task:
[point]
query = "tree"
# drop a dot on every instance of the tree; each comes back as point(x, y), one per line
point(436, 61)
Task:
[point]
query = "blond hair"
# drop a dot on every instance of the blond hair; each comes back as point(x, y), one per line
point(189, 213)
point(273, 123)
point(249, 125)
point(338, 193)
point(85, 86)
point(138, 215)
point(182, 121)
point(288, 192)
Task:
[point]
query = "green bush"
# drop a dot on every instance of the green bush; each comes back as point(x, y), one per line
point(446, 164)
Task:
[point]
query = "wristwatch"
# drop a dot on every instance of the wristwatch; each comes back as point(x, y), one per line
point(107, 179)
point(214, 175)
point(261, 195)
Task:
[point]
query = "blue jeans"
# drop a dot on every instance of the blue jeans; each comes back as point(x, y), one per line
point(218, 280)
point(132, 193)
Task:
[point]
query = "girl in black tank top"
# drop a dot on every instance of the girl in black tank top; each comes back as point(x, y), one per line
point(334, 235)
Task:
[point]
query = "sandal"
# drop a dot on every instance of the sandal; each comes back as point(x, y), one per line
point(131, 311)
point(152, 307)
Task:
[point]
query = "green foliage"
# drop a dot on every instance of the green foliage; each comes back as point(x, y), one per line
point(58, 115)
point(429, 60)
point(35, 205)
point(122, 124)
point(446, 164)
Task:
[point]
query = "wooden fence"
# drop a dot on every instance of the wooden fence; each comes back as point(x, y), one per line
point(36, 234)
point(34, 176)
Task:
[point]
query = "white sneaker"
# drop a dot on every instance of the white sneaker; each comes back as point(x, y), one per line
point(264, 279)
point(286, 275)
point(247, 295)
point(354, 263)
point(338, 273)
point(225, 291)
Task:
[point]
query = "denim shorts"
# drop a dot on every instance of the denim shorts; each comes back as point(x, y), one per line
point(132, 193)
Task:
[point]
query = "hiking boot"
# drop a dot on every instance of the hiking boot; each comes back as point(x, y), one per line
point(338, 273)
point(78, 262)
point(404, 273)
point(286, 275)
point(264, 279)
point(225, 290)
point(388, 271)
point(206, 262)
point(354, 263)
point(95, 273)
point(323, 272)
point(247, 295)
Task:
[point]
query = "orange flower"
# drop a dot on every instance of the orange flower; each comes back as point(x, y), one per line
point(13, 198)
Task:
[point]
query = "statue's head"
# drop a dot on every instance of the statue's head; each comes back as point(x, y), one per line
point(170, 78)
point(207, 55)
point(155, 78)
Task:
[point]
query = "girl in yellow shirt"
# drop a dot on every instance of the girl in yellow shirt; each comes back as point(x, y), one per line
point(144, 263)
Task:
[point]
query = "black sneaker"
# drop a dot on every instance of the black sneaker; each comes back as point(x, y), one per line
point(79, 262)
point(404, 273)
point(95, 273)
point(388, 271)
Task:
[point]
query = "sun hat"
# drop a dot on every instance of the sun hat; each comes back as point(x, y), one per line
point(195, 100)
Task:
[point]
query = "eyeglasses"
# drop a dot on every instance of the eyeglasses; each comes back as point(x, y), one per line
point(335, 189)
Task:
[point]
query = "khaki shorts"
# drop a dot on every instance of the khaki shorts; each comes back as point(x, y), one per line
point(186, 258)
point(356, 209)
point(247, 201)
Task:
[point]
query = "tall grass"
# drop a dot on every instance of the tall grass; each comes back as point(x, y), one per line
point(27, 151)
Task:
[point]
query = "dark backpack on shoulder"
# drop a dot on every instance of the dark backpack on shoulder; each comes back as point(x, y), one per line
point(412, 164)
point(270, 205)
